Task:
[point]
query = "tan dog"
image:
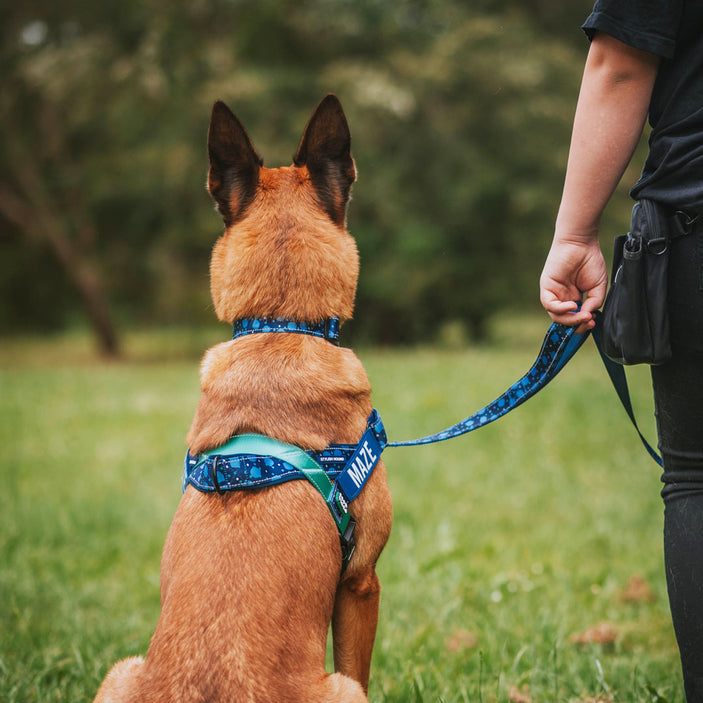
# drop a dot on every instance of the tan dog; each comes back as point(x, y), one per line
point(250, 580)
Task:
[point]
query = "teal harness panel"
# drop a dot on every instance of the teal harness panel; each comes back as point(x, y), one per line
point(227, 471)
point(236, 467)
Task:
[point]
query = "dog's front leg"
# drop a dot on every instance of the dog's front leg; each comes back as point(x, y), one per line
point(354, 623)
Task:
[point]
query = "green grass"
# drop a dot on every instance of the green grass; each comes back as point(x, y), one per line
point(505, 542)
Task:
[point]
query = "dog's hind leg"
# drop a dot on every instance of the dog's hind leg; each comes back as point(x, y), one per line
point(354, 624)
point(120, 684)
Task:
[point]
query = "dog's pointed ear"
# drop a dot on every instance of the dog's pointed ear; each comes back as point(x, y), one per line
point(234, 164)
point(326, 151)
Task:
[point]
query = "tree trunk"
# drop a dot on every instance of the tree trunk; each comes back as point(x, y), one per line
point(42, 222)
point(87, 281)
point(58, 216)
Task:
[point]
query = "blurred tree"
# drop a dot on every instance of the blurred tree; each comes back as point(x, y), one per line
point(460, 118)
point(467, 148)
point(43, 194)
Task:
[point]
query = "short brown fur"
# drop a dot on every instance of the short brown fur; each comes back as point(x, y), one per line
point(250, 581)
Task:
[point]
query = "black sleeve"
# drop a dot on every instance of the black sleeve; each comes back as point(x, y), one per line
point(649, 25)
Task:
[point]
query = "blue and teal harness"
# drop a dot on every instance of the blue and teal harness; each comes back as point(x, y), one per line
point(340, 472)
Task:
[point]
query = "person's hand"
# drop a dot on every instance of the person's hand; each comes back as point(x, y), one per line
point(571, 270)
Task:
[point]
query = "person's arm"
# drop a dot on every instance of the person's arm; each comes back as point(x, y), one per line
point(610, 115)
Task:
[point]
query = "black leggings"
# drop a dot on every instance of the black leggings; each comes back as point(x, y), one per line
point(678, 393)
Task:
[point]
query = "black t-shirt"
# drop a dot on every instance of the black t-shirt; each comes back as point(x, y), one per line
point(672, 29)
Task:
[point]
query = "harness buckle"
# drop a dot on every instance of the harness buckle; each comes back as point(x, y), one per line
point(216, 483)
point(348, 543)
point(340, 504)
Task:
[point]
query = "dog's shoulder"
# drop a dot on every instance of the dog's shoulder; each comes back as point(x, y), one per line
point(298, 389)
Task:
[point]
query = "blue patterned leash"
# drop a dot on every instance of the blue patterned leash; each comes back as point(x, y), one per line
point(560, 345)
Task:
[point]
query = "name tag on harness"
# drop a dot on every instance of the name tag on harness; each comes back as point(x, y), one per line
point(360, 466)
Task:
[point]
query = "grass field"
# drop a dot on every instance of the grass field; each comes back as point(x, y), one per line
point(508, 544)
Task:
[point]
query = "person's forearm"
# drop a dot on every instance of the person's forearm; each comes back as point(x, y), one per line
point(612, 108)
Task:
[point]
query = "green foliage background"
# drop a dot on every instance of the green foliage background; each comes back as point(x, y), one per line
point(460, 115)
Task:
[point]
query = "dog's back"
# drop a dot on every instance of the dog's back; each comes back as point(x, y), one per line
point(251, 579)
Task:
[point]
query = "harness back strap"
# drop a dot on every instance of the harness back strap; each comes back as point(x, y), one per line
point(262, 446)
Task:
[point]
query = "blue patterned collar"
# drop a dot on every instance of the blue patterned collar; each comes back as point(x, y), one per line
point(325, 329)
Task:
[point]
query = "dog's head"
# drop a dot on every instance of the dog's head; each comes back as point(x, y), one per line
point(285, 251)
